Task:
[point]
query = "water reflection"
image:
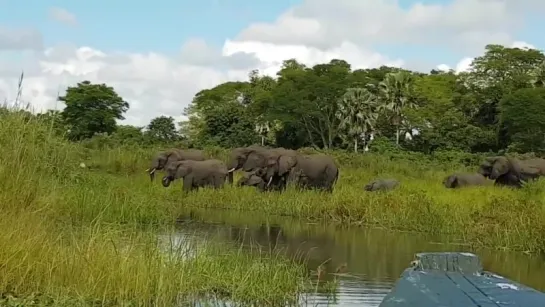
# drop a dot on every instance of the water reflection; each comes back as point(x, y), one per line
point(370, 260)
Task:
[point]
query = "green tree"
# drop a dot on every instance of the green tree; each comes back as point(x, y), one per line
point(499, 72)
point(309, 97)
point(222, 116)
point(128, 135)
point(397, 94)
point(357, 112)
point(440, 121)
point(162, 129)
point(55, 120)
point(92, 108)
point(522, 115)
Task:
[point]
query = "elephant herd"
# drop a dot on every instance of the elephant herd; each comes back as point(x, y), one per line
point(271, 169)
point(267, 169)
point(505, 171)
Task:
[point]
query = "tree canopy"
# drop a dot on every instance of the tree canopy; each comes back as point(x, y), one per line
point(498, 104)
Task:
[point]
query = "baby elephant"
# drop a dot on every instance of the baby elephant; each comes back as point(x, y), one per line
point(196, 174)
point(381, 185)
point(459, 180)
point(252, 179)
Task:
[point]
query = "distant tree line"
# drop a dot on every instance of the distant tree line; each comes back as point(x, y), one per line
point(498, 105)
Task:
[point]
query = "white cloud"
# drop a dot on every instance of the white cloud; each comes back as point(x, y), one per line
point(20, 39)
point(465, 63)
point(63, 16)
point(460, 24)
point(315, 31)
point(271, 56)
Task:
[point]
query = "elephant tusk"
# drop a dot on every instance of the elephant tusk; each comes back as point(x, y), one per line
point(147, 170)
point(152, 171)
point(270, 180)
point(231, 170)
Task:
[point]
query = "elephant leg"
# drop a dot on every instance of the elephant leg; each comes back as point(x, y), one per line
point(219, 182)
point(188, 183)
point(230, 177)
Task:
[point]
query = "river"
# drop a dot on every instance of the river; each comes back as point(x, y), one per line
point(371, 260)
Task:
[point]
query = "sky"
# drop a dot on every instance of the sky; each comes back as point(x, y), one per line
point(158, 54)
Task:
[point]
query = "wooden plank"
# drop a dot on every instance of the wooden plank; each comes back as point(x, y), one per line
point(457, 280)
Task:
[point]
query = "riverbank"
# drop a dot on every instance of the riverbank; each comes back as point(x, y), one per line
point(63, 210)
point(489, 216)
point(75, 238)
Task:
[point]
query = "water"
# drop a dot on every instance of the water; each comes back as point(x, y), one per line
point(373, 258)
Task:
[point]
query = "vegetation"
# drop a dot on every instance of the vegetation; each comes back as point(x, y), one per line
point(74, 238)
point(97, 225)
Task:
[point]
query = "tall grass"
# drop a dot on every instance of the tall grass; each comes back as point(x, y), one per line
point(70, 237)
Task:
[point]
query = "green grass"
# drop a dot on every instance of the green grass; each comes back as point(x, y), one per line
point(75, 236)
point(71, 237)
point(488, 216)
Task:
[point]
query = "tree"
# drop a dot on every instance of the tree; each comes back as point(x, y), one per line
point(128, 135)
point(92, 108)
point(162, 129)
point(522, 115)
point(396, 91)
point(357, 112)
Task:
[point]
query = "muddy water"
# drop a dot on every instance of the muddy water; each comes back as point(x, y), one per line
point(370, 260)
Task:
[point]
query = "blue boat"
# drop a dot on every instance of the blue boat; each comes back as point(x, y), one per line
point(457, 280)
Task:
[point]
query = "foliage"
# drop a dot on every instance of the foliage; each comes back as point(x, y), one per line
point(522, 115)
point(332, 106)
point(75, 237)
point(91, 108)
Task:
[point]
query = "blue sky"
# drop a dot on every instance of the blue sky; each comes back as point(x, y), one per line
point(163, 25)
point(141, 25)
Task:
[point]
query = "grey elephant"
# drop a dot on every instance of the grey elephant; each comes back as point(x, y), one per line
point(252, 179)
point(512, 172)
point(162, 159)
point(381, 185)
point(253, 158)
point(317, 171)
point(459, 180)
point(196, 174)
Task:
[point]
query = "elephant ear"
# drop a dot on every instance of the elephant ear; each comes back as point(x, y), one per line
point(182, 169)
point(502, 165)
point(253, 161)
point(285, 164)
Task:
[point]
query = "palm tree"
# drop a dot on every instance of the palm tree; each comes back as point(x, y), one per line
point(396, 92)
point(357, 112)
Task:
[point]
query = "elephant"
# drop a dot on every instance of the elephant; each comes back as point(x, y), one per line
point(252, 179)
point(162, 159)
point(239, 156)
point(196, 174)
point(381, 185)
point(305, 171)
point(512, 172)
point(458, 180)
point(255, 157)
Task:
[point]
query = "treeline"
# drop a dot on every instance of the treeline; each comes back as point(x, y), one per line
point(496, 106)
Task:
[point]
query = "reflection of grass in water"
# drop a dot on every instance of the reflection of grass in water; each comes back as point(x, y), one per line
point(340, 243)
point(76, 238)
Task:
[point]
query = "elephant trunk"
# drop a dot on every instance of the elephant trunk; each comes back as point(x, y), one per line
point(494, 174)
point(166, 181)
